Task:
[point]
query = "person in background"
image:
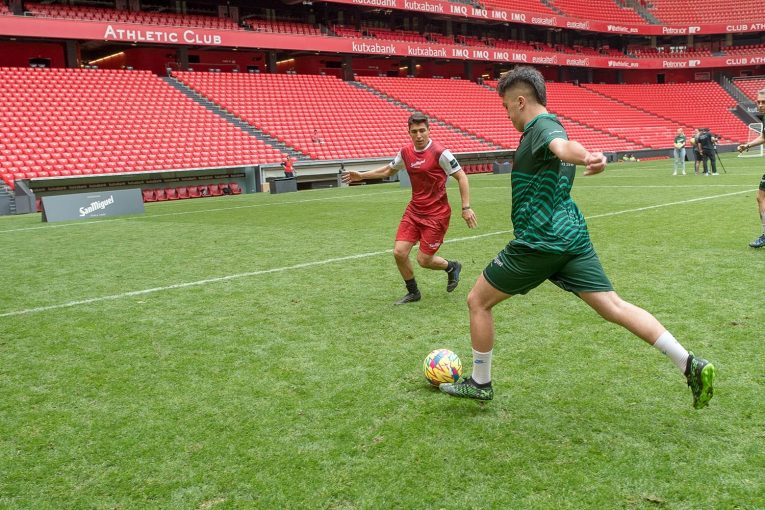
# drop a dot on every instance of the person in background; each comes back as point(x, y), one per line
point(679, 151)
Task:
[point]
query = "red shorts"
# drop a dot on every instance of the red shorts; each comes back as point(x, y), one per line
point(429, 232)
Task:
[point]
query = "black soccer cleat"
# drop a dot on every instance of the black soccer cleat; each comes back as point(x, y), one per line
point(759, 242)
point(409, 298)
point(454, 277)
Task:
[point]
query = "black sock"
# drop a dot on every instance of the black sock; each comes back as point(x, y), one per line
point(411, 286)
point(450, 265)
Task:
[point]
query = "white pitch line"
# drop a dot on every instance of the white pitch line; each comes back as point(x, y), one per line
point(317, 263)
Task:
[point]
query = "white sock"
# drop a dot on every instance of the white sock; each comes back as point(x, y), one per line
point(481, 367)
point(670, 347)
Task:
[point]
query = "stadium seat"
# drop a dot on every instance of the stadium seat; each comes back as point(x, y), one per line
point(171, 194)
point(183, 193)
point(79, 104)
point(235, 189)
point(148, 195)
point(194, 192)
point(160, 195)
point(215, 190)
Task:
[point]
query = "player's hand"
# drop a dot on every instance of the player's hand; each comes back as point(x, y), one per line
point(594, 163)
point(469, 216)
point(347, 177)
point(743, 148)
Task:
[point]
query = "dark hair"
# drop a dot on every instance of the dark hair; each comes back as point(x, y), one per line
point(418, 118)
point(526, 75)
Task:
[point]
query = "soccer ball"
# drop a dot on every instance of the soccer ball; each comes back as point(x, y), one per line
point(442, 366)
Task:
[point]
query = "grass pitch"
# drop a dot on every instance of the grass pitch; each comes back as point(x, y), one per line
point(243, 352)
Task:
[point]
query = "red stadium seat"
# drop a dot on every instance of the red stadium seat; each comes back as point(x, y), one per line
point(148, 195)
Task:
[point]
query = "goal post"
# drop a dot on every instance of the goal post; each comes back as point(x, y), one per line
point(755, 129)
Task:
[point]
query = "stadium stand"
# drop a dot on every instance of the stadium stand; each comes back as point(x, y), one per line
point(611, 116)
point(282, 27)
point(4, 10)
point(520, 5)
point(702, 104)
point(146, 18)
point(479, 111)
point(351, 122)
point(750, 86)
point(83, 121)
point(598, 9)
point(691, 12)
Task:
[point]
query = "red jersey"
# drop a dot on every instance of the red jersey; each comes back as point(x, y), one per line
point(428, 171)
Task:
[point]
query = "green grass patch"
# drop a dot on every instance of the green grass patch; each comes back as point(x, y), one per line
point(268, 368)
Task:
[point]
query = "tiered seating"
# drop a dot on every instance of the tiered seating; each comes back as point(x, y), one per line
point(691, 12)
point(144, 18)
point(604, 114)
point(678, 52)
point(704, 104)
point(73, 121)
point(519, 5)
point(479, 110)
point(4, 10)
point(440, 38)
point(598, 9)
point(282, 27)
point(343, 31)
point(395, 35)
point(750, 86)
point(744, 50)
point(350, 122)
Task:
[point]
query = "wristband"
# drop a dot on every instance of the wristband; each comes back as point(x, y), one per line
point(466, 208)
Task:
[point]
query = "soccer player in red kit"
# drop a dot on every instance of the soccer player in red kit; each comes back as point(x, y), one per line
point(426, 218)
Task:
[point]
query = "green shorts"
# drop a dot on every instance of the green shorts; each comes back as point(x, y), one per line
point(517, 269)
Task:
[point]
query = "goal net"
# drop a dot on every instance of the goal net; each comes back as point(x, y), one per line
point(755, 129)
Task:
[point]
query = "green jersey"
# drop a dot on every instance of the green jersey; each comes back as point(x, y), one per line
point(544, 216)
point(680, 140)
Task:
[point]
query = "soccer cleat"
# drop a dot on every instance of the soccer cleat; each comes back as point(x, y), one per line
point(454, 277)
point(468, 388)
point(700, 375)
point(409, 298)
point(759, 242)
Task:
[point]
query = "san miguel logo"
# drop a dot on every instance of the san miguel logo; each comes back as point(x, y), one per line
point(161, 36)
point(96, 206)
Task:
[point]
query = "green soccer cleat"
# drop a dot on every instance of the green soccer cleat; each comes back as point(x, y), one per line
point(468, 388)
point(700, 375)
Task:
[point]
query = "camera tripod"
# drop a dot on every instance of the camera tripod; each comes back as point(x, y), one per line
point(719, 160)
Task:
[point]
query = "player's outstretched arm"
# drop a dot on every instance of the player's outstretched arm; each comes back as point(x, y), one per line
point(573, 152)
point(377, 173)
point(746, 146)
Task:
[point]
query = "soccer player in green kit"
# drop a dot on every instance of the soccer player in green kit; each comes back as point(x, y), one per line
point(552, 243)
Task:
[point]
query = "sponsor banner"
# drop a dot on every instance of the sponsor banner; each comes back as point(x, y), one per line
point(84, 206)
point(146, 34)
point(466, 11)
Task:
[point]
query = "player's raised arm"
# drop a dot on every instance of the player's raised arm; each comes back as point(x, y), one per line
point(572, 152)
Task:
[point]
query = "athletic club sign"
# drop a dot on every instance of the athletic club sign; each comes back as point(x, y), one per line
point(169, 36)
